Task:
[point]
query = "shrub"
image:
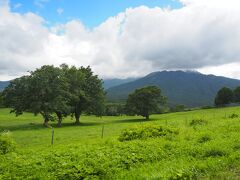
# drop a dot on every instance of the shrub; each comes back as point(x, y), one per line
point(6, 143)
point(236, 146)
point(214, 153)
point(232, 116)
point(196, 122)
point(145, 131)
point(204, 138)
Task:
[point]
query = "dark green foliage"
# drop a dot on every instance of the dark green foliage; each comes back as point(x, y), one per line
point(204, 138)
point(144, 132)
point(224, 96)
point(177, 108)
point(214, 152)
point(6, 143)
point(188, 88)
point(196, 122)
point(145, 101)
point(207, 107)
point(1, 100)
point(236, 93)
point(42, 92)
point(56, 92)
point(86, 91)
point(48, 92)
point(233, 116)
point(114, 109)
point(17, 95)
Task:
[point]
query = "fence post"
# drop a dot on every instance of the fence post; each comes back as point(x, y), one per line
point(52, 136)
point(102, 130)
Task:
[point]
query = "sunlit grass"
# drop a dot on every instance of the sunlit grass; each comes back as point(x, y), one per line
point(208, 144)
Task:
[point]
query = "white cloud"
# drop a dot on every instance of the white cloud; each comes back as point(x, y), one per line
point(201, 35)
point(229, 70)
point(60, 11)
point(16, 6)
point(40, 3)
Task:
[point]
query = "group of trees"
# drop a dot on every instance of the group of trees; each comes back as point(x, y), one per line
point(115, 109)
point(56, 92)
point(226, 96)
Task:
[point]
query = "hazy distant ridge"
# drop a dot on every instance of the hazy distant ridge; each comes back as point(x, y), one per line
point(190, 88)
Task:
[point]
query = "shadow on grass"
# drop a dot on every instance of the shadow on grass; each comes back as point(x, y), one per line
point(21, 127)
point(77, 125)
point(133, 120)
point(36, 126)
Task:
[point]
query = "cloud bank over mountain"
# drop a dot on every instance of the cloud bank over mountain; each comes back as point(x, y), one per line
point(202, 35)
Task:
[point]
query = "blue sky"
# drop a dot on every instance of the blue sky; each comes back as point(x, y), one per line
point(90, 12)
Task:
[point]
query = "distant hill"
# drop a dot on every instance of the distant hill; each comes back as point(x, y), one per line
point(3, 84)
point(108, 83)
point(191, 89)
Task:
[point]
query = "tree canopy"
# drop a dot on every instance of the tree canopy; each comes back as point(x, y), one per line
point(224, 96)
point(86, 91)
point(236, 93)
point(56, 92)
point(145, 101)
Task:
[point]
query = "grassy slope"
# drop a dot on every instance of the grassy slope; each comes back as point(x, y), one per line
point(178, 156)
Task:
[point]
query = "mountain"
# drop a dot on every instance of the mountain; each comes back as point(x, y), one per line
point(108, 83)
point(189, 88)
point(3, 84)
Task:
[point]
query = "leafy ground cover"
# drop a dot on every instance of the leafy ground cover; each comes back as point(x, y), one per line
point(206, 145)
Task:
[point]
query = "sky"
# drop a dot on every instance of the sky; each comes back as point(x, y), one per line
point(120, 38)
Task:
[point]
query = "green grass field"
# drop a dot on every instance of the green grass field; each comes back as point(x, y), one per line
point(204, 148)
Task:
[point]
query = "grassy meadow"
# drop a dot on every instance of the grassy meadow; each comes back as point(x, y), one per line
point(206, 145)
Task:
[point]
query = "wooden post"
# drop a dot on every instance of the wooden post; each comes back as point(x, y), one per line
point(52, 136)
point(102, 130)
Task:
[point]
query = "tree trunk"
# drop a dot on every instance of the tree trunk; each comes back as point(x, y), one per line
point(59, 115)
point(46, 122)
point(59, 123)
point(46, 119)
point(77, 117)
point(147, 117)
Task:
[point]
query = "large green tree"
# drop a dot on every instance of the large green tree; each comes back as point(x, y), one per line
point(86, 91)
point(57, 92)
point(236, 93)
point(1, 100)
point(16, 95)
point(145, 101)
point(43, 92)
point(224, 96)
point(49, 93)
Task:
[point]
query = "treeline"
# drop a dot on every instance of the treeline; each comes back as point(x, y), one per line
point(56, 92)
point(227, 96)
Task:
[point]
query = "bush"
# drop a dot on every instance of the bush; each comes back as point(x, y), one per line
point(214, 153)
point(145, 131)
point(6, 143)
point(204, 138)
point(72, 162)
point(196, 122)
point(232, 116)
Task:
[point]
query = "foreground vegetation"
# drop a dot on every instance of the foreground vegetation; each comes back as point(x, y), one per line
point(201, 143)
